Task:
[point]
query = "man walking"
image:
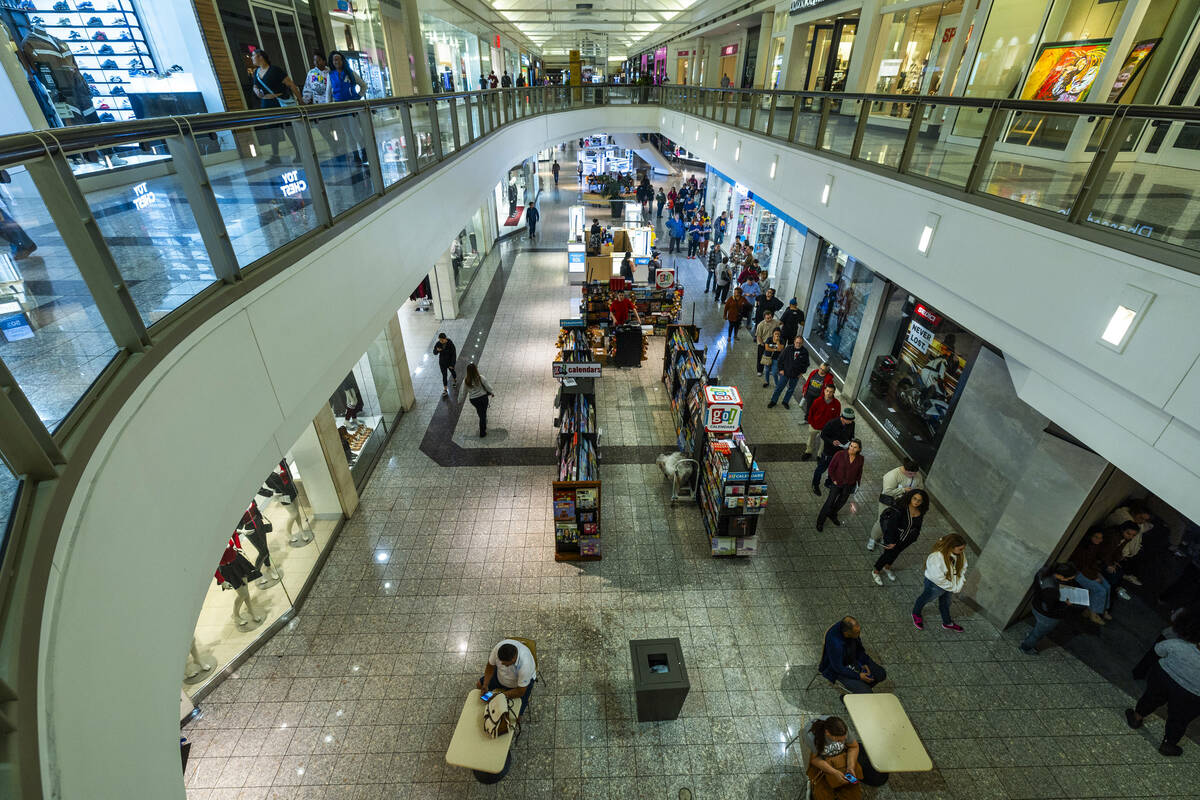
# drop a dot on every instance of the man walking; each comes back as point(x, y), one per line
point(713, 263)
point(792, 366)
point(835, 436)
point(532, 215)
point(447, 355)
point(554, 169)
point(661, 200)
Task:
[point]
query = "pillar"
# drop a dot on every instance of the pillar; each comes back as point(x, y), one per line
point(415, 47)
point(389, 366)
point(762, 63)
point(872, 315)
point(698, 55)
point(860, 77)
point(443, 288)
point(330, 491)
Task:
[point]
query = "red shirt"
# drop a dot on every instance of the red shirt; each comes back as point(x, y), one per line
point(820, 413)
point(621, 308)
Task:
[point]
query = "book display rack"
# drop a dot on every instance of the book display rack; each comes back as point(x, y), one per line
point(576, 493)
point(733, 493)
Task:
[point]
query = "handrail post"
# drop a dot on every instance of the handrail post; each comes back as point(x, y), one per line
point(791, 137)
point(366, 123)
point(81, 234)
point(454, 123)
point(860, 130)
point(29, 448)
point(724, 107)
point(470, 119)
point(823, 123)
point(983, 153)
point(202, 202)
point(307, 153)
point(753, 111)
point(410, 139)
point(737, 108)
point(435, 130)
point(1093, 180)
point(771, 114)
point(910, 139)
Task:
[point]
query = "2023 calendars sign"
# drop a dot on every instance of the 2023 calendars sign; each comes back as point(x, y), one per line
point(576, 369)
point(722, 409)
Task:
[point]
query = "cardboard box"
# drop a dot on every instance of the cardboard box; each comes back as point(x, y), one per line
point(606, 249)
point(599, 268)
point(621, 242)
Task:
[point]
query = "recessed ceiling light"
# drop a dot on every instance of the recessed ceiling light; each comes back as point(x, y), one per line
point(931, 223)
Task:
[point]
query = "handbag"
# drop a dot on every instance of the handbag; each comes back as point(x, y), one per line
point(284, 102)
point(766, 361)
point(887, 500)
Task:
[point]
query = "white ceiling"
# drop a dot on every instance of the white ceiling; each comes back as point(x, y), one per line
point(558, 26)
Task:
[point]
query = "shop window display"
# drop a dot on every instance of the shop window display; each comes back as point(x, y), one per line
point(838, 299)
point(914, 48)
point(918, 367)
point(361, 423)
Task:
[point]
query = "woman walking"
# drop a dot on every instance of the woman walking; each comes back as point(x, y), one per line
point(901, 525)
point(274, 89)
point(735, 306)
point(845, 473)
point(478, 392)
point(945, 573)
point(1173, 681)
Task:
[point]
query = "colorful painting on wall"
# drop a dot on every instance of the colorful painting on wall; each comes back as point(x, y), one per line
point(1065, 71)
point(1137, 58)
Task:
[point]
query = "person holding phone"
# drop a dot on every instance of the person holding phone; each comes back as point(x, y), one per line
point(510, 670)
point(833, 768)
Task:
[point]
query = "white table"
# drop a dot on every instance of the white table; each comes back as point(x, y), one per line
point(886, 733)
point(470, 747)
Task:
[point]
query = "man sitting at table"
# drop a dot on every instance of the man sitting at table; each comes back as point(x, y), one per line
point(845, 660)
point(510, 669)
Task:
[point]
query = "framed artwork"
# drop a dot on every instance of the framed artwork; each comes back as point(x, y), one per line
point(1065, 71)
point(1139, 54)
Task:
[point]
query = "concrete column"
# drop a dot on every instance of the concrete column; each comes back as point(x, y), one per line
point(330, 491)
point(955, 65)
point(1013, 488)
point(872, 316)
point(860, 77)
point(389, 366)
point(802, 287)
point(419, 76)
point(444, 289)
point(971, 50)
point(698, 55)
point(762, 66)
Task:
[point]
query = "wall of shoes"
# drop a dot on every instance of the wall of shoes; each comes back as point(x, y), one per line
point(106, 39)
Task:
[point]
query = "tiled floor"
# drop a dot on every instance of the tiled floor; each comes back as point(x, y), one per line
point(358, 698)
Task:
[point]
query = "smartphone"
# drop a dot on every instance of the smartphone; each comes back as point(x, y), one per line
point(487, 696)
point(850, 777)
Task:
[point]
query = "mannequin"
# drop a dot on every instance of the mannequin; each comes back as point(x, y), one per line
point(235, 572)
point(354, 405)
point(279, 484)
point(255, 528)
point(195, 664)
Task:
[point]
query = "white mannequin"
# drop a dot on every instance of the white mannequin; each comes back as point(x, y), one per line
point(242, 598)
point(195, 664)
point(295, 519)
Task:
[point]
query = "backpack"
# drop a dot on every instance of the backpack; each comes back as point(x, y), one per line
point(500, 716)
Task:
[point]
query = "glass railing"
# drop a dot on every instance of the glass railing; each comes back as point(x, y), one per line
point(115, 230)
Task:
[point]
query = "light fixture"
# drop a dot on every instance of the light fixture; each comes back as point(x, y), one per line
point(1131, 307)
point(682, 126)
point(737, 151)
point(335, 134)
point(931, 223)
point(697, 134)
point(774, 166)
point(253, 152)
point(714, 141)
point(826, 190)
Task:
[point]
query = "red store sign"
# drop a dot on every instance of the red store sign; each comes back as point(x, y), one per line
point(922, 311)
point(729, 50)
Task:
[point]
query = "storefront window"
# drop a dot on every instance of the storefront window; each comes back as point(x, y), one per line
point(914, 46)
point(468, 250)
point(918, 366)
point(362, 424)
point(841, 287)
point(452, 55)
point(513, 193)
point(359, 30)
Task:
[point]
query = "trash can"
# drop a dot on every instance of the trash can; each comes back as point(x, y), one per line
point(660, 680)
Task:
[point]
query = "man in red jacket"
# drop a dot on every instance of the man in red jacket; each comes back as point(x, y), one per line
point(820, 411)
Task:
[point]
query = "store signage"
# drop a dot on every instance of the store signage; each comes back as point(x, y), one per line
point(142, 196)
point(292, 183)
point(919, 336)
point(16, 328)
point(664, 278)
point(576, 369)
point(722, 409)
point(923, 311)
point(497, 41)
point(576, 260)
point(660, 54)
point(800, 6)
point(570, 323)
point(744, 191)
point(683, 52)
point(729, 50)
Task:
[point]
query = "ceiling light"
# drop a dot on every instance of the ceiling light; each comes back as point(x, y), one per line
point(714, 141)
point(737, 151)
point(697, 134)
point(826, 190)
point(1131, 307)
point(931, 223)
point(774, 166)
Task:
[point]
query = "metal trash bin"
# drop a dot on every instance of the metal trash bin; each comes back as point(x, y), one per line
point(660, 679)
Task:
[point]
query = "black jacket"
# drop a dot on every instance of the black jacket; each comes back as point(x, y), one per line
point(763, 305)
point(899, 528)
point(835, 429)
point(790, 322)
point(532, 215)
point(447, 353)
point(1045, 595)
point(794, 363)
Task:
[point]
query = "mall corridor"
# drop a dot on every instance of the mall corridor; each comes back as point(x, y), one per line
point(357, 697)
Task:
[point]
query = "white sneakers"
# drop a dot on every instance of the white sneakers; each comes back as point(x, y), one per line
point(878, 580)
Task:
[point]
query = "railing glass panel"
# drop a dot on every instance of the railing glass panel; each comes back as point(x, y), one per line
point(391, 144)
point(342, 155)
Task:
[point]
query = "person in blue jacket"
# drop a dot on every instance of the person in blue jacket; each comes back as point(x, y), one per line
point(845, 660)
point(345, 84)
point(676, 230)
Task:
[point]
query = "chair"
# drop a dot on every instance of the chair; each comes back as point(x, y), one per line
point(841, 690)
point(532, 645)
point(803, 756)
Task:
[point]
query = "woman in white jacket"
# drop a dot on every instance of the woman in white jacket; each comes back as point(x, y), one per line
point(945, 573)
